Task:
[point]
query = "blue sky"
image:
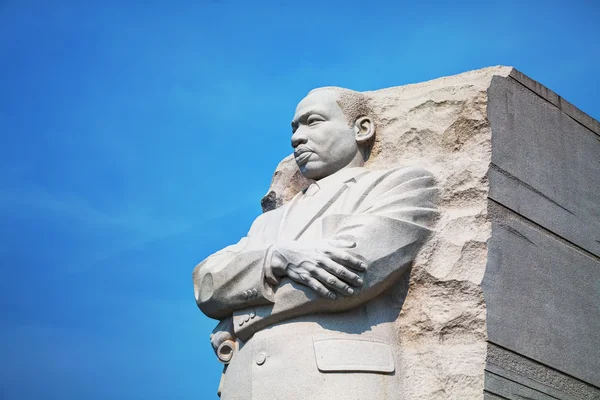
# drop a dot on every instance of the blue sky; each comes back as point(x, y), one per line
point(136, 138)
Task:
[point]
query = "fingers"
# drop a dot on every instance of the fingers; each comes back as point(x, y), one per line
point(332, 282)
point(321, 289)
point(219, 337)
point(308, 280)
point(344, 258)
point(341, 272)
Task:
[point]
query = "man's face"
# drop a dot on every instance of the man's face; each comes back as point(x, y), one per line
point(323, 141)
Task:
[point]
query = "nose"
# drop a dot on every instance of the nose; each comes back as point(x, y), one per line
point(299, 138)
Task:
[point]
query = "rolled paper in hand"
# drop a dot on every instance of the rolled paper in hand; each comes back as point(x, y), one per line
point(225, 351)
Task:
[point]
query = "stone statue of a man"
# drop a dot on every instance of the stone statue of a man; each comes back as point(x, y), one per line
point(311, 294)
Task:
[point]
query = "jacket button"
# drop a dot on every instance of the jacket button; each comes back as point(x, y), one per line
point(247, 318)
point(241, 322)
point(254, 292)
point(252, 314)
point(260, 358)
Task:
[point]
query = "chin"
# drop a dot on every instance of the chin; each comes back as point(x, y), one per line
point(310, 172)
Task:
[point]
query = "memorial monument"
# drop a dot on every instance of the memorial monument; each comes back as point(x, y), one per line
point(431, 241)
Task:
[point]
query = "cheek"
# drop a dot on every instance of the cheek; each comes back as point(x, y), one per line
point(343, 144)
point(336, 139)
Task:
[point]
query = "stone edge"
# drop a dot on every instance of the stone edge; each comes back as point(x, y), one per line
point(535, 375)
point(553, 98)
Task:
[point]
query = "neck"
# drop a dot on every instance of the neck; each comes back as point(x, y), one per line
point(357, 161)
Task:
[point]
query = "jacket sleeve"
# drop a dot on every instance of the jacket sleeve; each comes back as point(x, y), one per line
point(389, 224)
point(233, 278)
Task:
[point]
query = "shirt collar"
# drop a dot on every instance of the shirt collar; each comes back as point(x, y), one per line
point(341, 176)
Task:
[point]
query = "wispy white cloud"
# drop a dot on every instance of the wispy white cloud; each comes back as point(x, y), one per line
point(133, 227)
point(77, 208)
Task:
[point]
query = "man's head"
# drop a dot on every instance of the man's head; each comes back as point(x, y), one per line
point(332, 129)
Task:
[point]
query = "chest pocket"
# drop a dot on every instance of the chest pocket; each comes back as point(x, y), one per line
point(353, 354)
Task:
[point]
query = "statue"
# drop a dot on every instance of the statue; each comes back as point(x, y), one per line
point(307, 300)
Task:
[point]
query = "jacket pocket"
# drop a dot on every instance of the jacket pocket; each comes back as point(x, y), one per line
point(353, 354)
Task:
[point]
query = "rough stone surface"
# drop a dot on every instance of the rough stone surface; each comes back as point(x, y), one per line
point(440, 125)
point(286, 183)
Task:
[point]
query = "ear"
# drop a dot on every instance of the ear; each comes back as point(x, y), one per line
point(364, 130)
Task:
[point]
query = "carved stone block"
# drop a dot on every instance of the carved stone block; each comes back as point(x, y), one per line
point(514, 261)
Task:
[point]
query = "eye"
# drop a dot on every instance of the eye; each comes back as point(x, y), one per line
point(314, 120)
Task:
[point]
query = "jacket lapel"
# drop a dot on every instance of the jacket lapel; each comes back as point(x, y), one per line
point(303, 210)
point(307, 210)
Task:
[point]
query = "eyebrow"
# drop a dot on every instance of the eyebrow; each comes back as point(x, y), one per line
point(304, 116)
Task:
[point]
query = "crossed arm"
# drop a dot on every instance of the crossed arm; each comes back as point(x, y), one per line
point(357, 256)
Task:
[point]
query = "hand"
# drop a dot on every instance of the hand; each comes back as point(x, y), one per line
point(325, 267)
point(222, 332)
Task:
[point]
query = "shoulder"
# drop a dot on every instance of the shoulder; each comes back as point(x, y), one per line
point(399, 176)
point(267, 219)
point(397, 187)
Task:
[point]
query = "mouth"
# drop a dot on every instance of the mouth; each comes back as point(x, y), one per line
point(302, 154)
point(302, 157)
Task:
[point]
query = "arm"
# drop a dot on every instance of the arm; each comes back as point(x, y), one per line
point(388, 225)
point(223, 331)
point(233, 278)
point(237, 277)
point(389, 228)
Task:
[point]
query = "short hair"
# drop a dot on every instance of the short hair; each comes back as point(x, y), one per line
point(353, 104)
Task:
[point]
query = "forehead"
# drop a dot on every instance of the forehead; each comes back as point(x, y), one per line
point(322, 101)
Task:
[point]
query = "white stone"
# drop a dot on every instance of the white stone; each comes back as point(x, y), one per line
point(442, 126)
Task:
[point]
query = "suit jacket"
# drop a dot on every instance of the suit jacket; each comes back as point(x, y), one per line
point(293, 342)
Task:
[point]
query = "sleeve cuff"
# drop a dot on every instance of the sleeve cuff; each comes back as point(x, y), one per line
point(268, 270)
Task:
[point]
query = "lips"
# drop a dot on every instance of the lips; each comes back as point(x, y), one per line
point(302, 154)
point(303, 158)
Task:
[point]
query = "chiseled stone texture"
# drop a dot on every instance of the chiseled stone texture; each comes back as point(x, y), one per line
point(442, 126)
point(286, 183)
